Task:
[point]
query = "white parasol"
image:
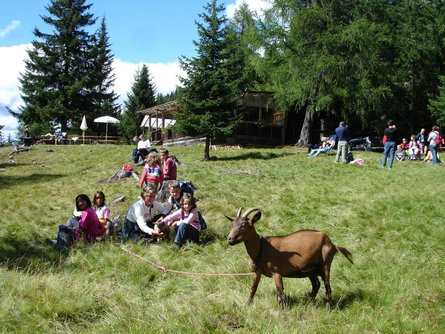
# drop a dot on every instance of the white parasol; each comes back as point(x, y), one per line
point(106, 120)
point(84, 127)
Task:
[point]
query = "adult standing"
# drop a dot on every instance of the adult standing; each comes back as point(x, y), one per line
point(342, 145)
point(390, 145)
point(433, 145)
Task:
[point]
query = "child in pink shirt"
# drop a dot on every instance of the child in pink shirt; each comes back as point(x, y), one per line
point(186, 221)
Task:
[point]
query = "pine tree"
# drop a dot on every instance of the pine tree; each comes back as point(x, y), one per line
point(101, 76)
point(68, 71)
point(209, 91)
point(141, 96)
point(437, 105)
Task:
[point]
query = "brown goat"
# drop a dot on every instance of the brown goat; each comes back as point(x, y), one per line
point(304, 253)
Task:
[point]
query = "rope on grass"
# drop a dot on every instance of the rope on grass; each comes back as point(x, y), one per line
point(166, 270)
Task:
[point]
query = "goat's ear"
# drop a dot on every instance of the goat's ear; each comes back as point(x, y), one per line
point(229, 218)
point(256, 217)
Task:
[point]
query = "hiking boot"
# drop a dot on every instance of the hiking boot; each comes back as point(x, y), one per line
point(51, 242)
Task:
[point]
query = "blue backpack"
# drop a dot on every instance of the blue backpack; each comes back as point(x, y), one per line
point(186, 187)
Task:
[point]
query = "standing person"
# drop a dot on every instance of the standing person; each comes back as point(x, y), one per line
point(342, 145)
point(423, 139)
point(186, 221)
point(152, 173)
point(169, 169)
point(139, 222)
point(434, 143)
point(390, 145)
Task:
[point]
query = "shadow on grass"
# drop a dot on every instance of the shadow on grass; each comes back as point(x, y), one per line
point(8, 165)
point(10, 181)
point(207, 238)
point(29, 254)
point(255, 155)
point(339, 303)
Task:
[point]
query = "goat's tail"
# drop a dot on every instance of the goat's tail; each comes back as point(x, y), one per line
point(346, 253)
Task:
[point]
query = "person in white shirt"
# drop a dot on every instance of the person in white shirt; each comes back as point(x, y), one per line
point(139, 222)
point(143, 148)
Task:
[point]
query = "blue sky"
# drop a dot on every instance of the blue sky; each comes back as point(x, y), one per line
point(151, 32)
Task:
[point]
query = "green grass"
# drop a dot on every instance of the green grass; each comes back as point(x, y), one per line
point(391, 221)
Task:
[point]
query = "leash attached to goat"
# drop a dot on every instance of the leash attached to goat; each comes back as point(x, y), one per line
point(166, 270)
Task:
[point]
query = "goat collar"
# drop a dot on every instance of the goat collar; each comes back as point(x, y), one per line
point(258, 258)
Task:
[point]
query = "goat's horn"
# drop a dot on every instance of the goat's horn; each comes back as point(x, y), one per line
point(239, 212)
point(245, 214)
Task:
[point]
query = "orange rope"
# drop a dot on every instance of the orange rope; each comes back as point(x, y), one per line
point(166, 270)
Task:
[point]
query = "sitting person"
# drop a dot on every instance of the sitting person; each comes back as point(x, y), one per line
point(143, 147)
point(169, 169)
point(135, 154)
point(322, 144)
point(174, 201)
point(186, 221)
point(102, 211)
point(139, 222)
point(414, 148)
point(325, 149)
point(89, 226)
point(152, 173)
point(405, 145)
point(400, 153)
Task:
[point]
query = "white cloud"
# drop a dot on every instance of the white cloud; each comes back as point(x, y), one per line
point(11, 64)
point(257, 6)
point(12, 26)
point(164, 76)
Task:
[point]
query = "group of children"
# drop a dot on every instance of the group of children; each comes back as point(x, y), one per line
point(417, 147)
point(90, 220)
point(146, 214)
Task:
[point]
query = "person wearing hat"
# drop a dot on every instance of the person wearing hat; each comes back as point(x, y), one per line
point(342, 145)
point(390, 145)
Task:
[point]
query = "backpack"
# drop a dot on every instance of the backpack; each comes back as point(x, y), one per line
point(438, 139)
point(202, 221)
point(186, 187)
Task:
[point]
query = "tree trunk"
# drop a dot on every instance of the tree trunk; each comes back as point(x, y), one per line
point(309, 117)
point(305, 129)
point(207, 149)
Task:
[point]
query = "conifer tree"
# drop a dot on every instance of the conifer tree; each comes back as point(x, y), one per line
point(63, 77)
point(209, 91)
point(141, 96)
point(101, 76)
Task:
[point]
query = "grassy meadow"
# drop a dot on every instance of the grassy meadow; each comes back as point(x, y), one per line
point(392, 221)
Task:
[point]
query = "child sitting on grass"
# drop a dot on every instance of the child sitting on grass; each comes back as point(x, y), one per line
point(173, 202)
point(186, 222)
point(152, 173)
point(88, 229)
point(400, 153)
point(102, 211)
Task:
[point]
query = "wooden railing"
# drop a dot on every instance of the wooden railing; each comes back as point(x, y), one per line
point(79, 139)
